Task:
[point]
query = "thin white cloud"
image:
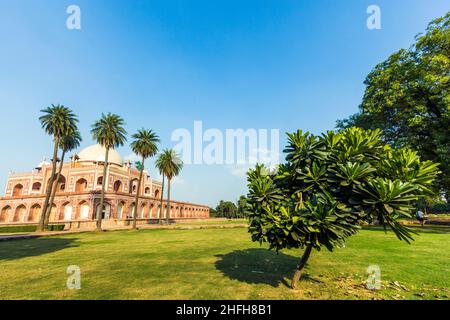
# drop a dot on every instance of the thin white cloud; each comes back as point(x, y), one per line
point(239, 170)
point(178, 180)
point(132, 157)
point(269, 158)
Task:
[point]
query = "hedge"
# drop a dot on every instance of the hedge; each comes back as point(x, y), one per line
point(29, 228)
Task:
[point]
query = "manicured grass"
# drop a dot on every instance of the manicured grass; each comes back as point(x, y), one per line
point(441, 215)
point(212, 221)
point(220, 264)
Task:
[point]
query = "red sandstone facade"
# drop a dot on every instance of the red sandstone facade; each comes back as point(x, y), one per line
point(79, 190)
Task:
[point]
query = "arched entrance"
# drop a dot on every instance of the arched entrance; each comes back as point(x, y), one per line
point(120, 210)
point(5, 214)
point(83, 210)
point(35, 213)
point(20, 213)
point(142, 212)
point(67, 210)
point(131, 211)
point(106, 213)
point(53, 213)
point(152, 211)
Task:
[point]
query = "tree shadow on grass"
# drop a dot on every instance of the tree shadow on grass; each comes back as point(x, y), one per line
point(258, 266)
point(23, 248)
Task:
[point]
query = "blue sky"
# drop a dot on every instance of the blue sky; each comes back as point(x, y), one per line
point(164, 64)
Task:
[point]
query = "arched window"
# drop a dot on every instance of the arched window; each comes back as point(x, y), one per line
point(156, 193)
point(100, 181)
point(147, 190)
point(133, 185)
point(118, 186)
point(81, 185)
point(18, 190)
point(37, 186)
point(62, 183)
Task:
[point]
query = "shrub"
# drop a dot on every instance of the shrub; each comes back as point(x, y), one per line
point(29, 228)
point(332, 184)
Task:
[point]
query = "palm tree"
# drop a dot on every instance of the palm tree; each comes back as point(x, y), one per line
point(67, 144)
point(144, 145)
point(109, 132)
point(57, 121)
point(160, 214)
point(169, 165)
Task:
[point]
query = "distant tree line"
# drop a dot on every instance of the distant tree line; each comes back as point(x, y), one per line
point(230, 210)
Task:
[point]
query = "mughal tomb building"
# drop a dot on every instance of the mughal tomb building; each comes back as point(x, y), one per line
point(79, 190)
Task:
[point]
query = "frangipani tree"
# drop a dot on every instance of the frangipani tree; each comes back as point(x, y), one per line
point(329, 186)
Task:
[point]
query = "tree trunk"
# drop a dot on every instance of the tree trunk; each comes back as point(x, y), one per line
point(40, 226)
point(136, 202)
point(168, 202)
point(54, 190)
point(162, 197)
point(102, 198)
point(301, 265)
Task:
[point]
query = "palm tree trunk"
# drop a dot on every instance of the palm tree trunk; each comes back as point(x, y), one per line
point(102, 197)
point(136, 202)
point(301, 265)
point(40, 226)
point(161, 205)
point(168, 202)
point(54, 189)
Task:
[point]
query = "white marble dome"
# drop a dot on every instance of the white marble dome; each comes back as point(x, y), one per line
point(96, 153)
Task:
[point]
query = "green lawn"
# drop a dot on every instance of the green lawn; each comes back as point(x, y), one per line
point(220, 264)
point(212, 221)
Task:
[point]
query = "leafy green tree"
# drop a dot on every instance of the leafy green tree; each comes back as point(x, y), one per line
point(242, 207)
point(213, 212)
point(408, 97)
point(227, 209)
point(57, 121)
point(145, 146)
point(169, 165)
point(67, 143)
point(110, 133)
point(332, 184)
